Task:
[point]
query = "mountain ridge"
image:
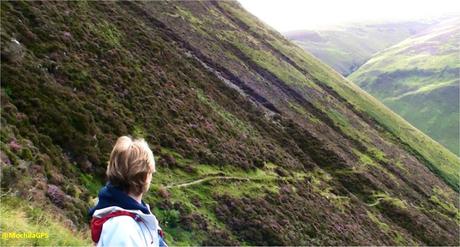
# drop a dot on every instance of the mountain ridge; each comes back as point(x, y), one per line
point(419, 73)
point(347, 47)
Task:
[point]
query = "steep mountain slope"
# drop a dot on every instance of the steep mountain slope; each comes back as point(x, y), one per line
point(345, 48)
point(258, 143)
point(419, 79)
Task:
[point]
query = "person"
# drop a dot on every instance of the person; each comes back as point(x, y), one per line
point(121, 217)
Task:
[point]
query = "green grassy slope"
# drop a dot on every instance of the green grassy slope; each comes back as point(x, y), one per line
point(346, 48)
point(256, 141)
point(418, 79)
point(43, 228)
point(441, 160)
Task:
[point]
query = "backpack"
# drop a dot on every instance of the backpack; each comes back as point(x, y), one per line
point(97, 223)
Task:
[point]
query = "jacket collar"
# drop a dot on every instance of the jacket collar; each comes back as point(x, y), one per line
point(110, 196)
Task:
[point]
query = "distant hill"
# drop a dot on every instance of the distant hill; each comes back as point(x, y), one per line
point(419, 79)
point(345, 48)
point(257, 142)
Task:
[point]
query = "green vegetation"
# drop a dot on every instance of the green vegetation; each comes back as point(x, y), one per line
point(418, 79)
point(229, 118)
point(441, 198)
point(397, 237)
point(270, 62)
point(22, 217)
point(319, 182)
point(436, 157)
point(92, 184)
point(385, 197)
point(296, 107)
point(377, 221)
point(107, 32)
point(256, 142)
point(345, 48)
point(200, 199)
point(366, 163)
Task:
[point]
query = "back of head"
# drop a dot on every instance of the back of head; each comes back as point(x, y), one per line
point(129, 165)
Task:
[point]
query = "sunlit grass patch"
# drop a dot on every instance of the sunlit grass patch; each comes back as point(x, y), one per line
point(19, 216)
point(385, 197)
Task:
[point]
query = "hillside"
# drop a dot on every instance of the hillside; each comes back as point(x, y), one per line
point(418, 79)
point(257, 142)
point(345, 48)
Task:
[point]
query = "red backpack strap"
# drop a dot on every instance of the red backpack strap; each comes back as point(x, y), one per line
point(161, 233)
point(96, 223)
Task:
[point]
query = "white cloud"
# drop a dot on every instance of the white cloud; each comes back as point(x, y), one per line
point(286, 15)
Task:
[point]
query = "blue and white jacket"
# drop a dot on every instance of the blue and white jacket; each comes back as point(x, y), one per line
point(119, 220)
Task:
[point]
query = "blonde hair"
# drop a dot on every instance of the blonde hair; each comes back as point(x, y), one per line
point(129, 164)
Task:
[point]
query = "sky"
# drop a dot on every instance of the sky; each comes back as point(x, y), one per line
point(289, 15)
